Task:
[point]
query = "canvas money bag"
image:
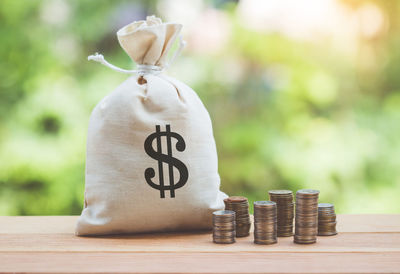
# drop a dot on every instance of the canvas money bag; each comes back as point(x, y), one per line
point(151, 157)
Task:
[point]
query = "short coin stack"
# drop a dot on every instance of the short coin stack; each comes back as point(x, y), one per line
point(224, 227)
point(326, 220)
point(240, 205)
point(285, 211)
point(265, 223)
point(306, 216)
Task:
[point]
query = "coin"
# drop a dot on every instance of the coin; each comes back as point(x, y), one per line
point(326, 219)
point(307, 192)
point(224, 226)
point(240, 206)
point(306, 221)
point(285, 211)
point(265, 222)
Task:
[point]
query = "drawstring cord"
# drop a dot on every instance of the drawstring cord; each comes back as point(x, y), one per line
point(141, 69)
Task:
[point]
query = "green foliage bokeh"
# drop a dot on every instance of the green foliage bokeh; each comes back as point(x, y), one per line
point(301, 114)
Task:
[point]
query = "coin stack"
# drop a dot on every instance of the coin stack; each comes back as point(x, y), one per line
point(240, 205)
point(326, 220)
point(285, 211)
point(265, 223)
point(306, 216)
point(224, 227)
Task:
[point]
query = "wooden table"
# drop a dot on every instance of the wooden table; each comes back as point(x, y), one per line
point(365, 244)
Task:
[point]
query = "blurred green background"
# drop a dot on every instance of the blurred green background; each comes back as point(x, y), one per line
point(302, 94)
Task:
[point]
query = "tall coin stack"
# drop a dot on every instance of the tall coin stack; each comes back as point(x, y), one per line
point(326, 220)
point(240, 205)
point(265, 223)
point(224, 227)
point(285, 211)
point(306, 228)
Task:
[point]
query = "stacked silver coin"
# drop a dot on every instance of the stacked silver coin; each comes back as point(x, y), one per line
point(285, 211)
point(240, 205)
point(306, 228)
point(326, 220)
point(265, 222)
point(224, 227)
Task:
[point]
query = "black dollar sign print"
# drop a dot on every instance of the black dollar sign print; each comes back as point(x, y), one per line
point(172, 162)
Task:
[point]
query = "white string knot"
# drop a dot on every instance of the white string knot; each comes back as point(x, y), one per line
point(141, 69)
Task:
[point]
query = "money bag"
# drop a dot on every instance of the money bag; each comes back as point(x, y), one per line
point(151, 161)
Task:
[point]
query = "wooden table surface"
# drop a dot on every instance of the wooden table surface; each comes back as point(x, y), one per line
point(365, 244)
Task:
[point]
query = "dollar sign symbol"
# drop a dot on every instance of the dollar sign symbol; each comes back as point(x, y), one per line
point(166, 158)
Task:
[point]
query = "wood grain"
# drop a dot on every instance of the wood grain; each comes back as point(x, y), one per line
point(66, 224)
point(201, 262)
point(365, 244)
point(343, 242)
